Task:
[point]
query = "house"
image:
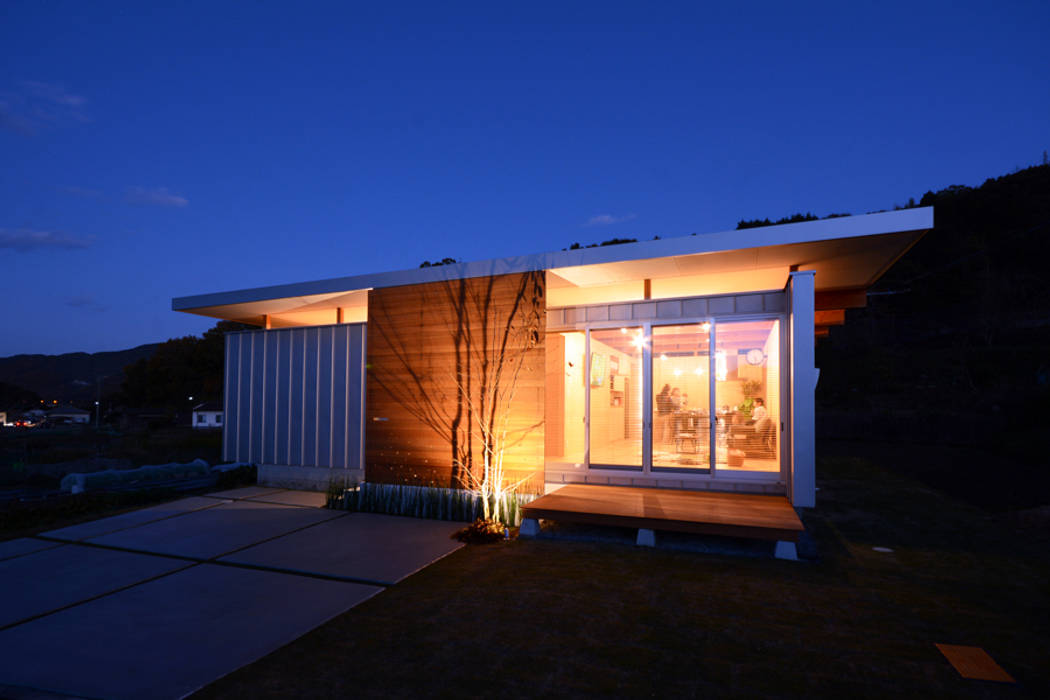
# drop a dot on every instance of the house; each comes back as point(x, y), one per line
point(683, 363)
point(65, 413)
point(207, 415)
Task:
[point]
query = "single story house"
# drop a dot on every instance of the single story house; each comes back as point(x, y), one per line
point(207, 415)
point(69, 414)
point(682, 363)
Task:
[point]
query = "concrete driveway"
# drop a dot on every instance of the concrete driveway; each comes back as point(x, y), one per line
point(159, 602)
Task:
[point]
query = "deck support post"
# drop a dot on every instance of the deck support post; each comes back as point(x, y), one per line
point(646, 537)
point(530, 527)
point(786, 550)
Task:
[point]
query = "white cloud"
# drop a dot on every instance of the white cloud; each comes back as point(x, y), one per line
point(607, 219)
point(23, 240)
point(56, 94)
point(156, 196)
point(34, 104)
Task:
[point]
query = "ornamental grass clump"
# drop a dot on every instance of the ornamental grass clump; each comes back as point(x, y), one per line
point(482, 531)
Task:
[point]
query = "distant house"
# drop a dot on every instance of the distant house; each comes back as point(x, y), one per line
point(207, 415)
point(64, 413)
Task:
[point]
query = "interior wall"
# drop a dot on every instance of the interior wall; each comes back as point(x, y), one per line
point(564, 403)
point(608, 422)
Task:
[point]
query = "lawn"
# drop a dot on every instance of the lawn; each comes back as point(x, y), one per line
point(583, 619)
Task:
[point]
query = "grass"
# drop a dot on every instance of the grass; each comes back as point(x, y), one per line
point(560, 618)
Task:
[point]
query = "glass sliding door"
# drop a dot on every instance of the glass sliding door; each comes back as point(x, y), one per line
point(565, 399)
point(695, 398)
point(747, 395)
point(615, 380)
point(681, 359)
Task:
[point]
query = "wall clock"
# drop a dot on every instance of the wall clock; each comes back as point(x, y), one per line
point(755, 357)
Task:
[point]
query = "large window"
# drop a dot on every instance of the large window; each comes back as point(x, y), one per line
point(747, 395)
point(615, 383)
point(681, 397)
point(690, 398)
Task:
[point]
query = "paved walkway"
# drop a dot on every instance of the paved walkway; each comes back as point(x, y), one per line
point(161, 601)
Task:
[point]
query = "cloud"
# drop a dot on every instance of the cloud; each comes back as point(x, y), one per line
point(11, 119)
point(55, 94)
point(23, 240)
point(34, 104)
point(607, 219)
point(87, 303)
point(157, 196)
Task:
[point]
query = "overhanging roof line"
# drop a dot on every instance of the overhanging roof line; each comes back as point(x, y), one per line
point(919, 219)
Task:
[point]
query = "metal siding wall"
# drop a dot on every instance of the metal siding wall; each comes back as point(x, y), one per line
point(244, 399)
point(310, 398)
point(324, 397)
point(295, 396)
point(340, 396)
point(258, 405)
point(269, 423)
point(281, 414)
point(227, 397)
point(355, 388)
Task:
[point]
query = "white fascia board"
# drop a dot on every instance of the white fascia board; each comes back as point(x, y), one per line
point(919, 219)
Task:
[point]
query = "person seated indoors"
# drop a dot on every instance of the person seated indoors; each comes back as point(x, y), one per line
point(758, 411)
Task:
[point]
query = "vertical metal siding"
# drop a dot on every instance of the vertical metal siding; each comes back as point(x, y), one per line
point(244, 399)
point(324, 397)
point(227, 404)
point(258, 395)
point(270, 380)
point(295, 396)
point(310, 398)
point(339, 397)
point(283, 380)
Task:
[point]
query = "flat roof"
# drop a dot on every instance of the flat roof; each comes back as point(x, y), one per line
point(866, 245)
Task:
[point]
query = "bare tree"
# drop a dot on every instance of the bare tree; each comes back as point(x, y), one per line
point(469, 401)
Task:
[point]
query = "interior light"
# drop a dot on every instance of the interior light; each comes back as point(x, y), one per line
point(678, 372)
point(623, 330)
point(705, 327)
point(721, 368)
point(663, 356)
point(639, 340)
point(699, 371)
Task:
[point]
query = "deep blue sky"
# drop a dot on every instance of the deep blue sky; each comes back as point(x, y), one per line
point(149, 152)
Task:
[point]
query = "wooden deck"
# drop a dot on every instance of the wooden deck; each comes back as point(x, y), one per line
point(701, 512)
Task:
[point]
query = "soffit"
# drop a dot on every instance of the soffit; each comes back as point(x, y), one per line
point(850, 262)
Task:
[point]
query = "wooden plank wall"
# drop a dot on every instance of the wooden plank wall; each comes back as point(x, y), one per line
point(413, 396)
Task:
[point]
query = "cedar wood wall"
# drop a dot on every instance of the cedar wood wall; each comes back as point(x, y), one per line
point(412, 355)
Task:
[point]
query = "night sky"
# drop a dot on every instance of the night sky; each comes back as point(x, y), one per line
point(149, 152)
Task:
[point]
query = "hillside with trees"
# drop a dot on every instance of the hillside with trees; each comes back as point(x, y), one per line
point(950, 353)
point(72, 377)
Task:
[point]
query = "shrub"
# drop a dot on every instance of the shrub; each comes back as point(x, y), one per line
point(424, 502)
point(482, 531)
